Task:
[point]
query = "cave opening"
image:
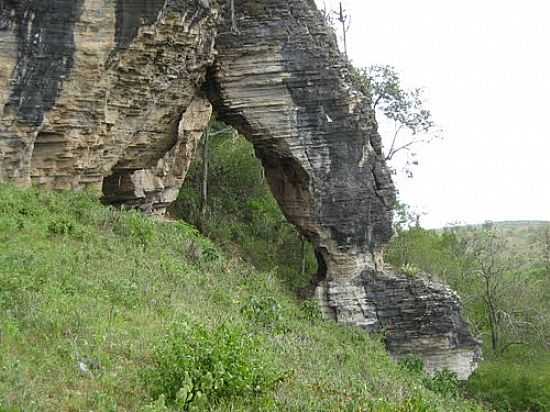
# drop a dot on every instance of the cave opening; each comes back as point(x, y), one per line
point(238, 209)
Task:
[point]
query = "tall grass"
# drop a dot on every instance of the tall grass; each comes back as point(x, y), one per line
point(88, 296)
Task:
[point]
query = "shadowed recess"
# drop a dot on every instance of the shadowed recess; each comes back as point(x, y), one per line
point(130, 15)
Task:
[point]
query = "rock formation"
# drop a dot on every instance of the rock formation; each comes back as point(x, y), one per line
point(113, 96)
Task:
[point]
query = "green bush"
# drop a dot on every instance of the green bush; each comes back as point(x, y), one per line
point(412, 364)
point(265, 312)
point(507, 386)
point(311, 310)
point(134, 226)
point(61, 227)
point(444, 382)
point(195, 366)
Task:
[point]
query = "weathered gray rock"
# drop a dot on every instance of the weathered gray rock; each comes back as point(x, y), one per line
point(113, 96)
point(417, 317)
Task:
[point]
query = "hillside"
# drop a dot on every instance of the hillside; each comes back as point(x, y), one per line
point(526, 240)
point(94, 302)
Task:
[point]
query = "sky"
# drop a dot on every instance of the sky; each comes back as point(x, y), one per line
point(485, 68)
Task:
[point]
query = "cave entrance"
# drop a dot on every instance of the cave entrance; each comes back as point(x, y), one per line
point(239, 210)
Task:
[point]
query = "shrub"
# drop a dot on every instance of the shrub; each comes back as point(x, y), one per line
point(195, 366)
point(312, 311)
point(412, 364)
point(265, 312)
point(61, 227)
point(444, 382)
point(135, 226)
point(507, 386)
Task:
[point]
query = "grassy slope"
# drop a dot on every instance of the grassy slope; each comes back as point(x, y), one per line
point(81, 282)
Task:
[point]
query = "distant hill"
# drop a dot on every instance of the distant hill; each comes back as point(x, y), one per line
point(506, 224)
point(527, 238)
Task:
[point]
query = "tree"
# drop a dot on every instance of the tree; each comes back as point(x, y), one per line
point(234, 28)
point(345, 21)
point(340, 16)
point(204, 182)
point(484, 249)
point(213, 129)
point(504, 295)
point(513, 302)
point(412, 121)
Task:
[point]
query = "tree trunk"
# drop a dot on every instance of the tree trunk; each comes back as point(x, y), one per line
point(234, 28)
point(204, 183)
point(303, 256)
point(342, 19)
point(547, 250)
point(493, 321)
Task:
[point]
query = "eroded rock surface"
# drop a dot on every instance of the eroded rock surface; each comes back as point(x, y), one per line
point(113, 96)
point(98, 90)
point(417, 316)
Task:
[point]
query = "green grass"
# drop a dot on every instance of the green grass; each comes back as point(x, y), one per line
point(89, 296)
point(519, 381)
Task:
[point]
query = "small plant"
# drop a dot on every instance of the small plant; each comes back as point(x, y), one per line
point(265, 312)
point(410, 270)
point(312, 311)
point(158, 405)
point(61, 227)
point(135, 226)
point(444, 382)
point(412, 364)
point(210, 254)
point(195, 366)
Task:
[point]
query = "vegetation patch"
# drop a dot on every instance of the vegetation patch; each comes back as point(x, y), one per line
point(127, 313)
point(195, 366)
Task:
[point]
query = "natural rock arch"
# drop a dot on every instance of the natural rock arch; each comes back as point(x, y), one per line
point(135, 92)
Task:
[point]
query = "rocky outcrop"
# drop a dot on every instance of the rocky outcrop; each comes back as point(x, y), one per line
point(417, 316)
point(100, 92)
point(113, 96)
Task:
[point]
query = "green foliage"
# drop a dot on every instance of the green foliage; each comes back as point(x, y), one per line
point(416, 404)
point(195, 366)
point(265, 312)
point(405, 109)
point(412, 364)
point(492, 265)
point(242, 213)
point(445, 383)
point(103, 300)
point(507, 385)
point(61, 227)
point(410, 270)
point(312, 311)
point(132, 226)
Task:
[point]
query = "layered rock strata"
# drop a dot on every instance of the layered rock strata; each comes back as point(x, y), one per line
point(417, 316)
point(97, 94)
point(113, 96)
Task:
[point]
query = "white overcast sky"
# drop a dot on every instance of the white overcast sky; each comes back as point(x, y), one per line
point(485, 65)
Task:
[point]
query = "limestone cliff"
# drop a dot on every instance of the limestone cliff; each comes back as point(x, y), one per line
point(113, 96)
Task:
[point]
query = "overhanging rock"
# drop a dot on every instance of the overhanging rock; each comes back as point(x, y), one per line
point(113, 96)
